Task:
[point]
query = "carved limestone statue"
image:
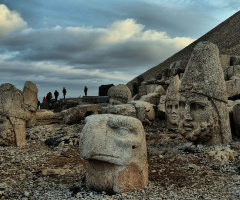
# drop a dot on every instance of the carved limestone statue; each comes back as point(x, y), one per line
point(203, 113)
point(12, 116)
point(115, 148)
point(171, 103)
point(30, 92)
point(119, 94)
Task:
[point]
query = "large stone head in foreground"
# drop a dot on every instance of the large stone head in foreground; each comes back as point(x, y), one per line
point(203, 114)
point(171, 103)
point(12, 116)
point(115, 148)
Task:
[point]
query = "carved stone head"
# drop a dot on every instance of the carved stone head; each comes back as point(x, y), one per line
point(12, 116)
point(203, 114)
point(119, 94)
point(171, 103)
point(115, 148)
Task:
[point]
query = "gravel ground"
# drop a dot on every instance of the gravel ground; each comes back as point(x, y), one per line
point(49, 167)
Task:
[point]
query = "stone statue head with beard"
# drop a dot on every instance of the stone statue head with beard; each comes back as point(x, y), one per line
point(203, 113)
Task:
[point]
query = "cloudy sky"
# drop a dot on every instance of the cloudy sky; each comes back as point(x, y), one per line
point(73, 43)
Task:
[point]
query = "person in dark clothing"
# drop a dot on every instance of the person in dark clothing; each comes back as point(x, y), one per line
point(48, 97)
point(85, 90)
point(56, 93)
point(64, 92)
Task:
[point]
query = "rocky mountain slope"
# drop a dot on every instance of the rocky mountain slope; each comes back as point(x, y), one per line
point(226, 36)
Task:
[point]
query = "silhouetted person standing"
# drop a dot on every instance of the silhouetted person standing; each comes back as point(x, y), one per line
point(85, 90)
point(64, 92)
point(48, 97)
point(56, 93)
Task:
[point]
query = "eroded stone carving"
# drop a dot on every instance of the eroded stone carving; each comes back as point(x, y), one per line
point(12, 116)
point(171, 103)
point(115, 148)
point(30, 92)
point(203, 113)
point(119, 94)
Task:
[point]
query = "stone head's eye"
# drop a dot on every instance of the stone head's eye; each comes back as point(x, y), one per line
point(196, 106)
point(176, 106)
point(122, 132)
point(182, 104)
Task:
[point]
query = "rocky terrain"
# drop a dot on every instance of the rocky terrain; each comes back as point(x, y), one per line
point(49, 167)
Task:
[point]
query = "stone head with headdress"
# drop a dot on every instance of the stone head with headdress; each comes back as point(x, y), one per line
point(171, 102)
point(203, 113)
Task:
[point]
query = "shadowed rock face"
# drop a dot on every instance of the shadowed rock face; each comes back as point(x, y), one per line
point(115, 148)
point(171, 103)
point(12, 116)
point(203, 114)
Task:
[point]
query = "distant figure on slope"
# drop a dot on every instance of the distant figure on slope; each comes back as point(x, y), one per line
point(85, 90)
point(64, 92)
point(44, 99)
point(56, 93)
point(38, 104)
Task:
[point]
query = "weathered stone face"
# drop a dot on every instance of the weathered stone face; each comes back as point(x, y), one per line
point(171, 103)
point(119, 94)
point(115, 148)
point(172, 113)
point(203, 114)
point(198, 120)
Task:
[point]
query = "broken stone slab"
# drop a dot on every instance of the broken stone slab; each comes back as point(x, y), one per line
point(236, 118)
point(76, 114)
point(152, 98)
point(221, 156)
point(235, 60)
point(114, 147)
point(159, 89)
point(233, 88)
point(12, 112)
point(144, 111)
point(161, 107)
point(224, 60)
point(123, 109)
point(141, 110)
point(30, 99)
point(44, 114)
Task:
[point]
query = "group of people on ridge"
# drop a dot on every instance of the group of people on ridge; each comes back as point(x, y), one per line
point(56, 94)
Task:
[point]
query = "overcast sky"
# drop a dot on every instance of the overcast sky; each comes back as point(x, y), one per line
point(73, 43)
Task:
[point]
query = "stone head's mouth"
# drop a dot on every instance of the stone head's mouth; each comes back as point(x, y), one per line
point(188, 127)
point(174, 117)
point(104, 157)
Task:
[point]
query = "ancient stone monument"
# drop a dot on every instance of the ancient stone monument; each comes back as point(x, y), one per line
point(30, 92)
point(119, 94)
point(12, 116)
point(115, 148)
point(171, 103)
point(203, 113)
